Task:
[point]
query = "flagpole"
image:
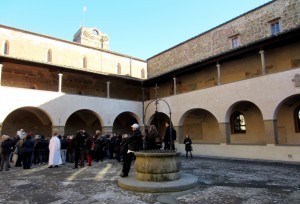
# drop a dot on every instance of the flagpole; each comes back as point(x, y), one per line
point(83, 15)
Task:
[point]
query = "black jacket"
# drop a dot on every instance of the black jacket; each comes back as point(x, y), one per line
point(99, 144)
point(63, 144)
point(188, 144)
point(6, 146)
point(42, 144)
point(79, 140)
point(167, 135)
point(123, 146)
point(135, 141)
point(28, 144)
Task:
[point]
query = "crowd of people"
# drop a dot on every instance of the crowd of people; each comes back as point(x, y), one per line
point(25, 149)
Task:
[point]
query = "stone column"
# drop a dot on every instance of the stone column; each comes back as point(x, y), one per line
point(225, 132)
point(219, 73)
point(263, 63)
point(174, 79)
point(106, 129)
point(59, 81)
point(271, 132)
point(179, 135)
point(58, 129)
point(1, 65)
point(108, 89)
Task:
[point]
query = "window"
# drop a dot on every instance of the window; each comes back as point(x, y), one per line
point(143, 73)
point(238, 123)
point(84, 62)
point(297, 119)
point(6, 48)
point(95, 32)
point(275, 27)
point(119, 68)
point(235, 42)
point(49, 56)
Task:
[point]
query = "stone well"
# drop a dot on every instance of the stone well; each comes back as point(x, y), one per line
point(157, 166)
point(157, 171)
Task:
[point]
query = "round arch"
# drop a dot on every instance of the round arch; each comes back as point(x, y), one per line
point(28, 118)
point(287, 122)
point(159, 119)
point(83, 119)
point(201, 125)
point(254, 124)
point(122, 123)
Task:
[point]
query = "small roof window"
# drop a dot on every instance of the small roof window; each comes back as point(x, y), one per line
point(95, 32)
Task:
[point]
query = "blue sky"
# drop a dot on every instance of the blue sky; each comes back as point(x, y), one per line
point(139, 28)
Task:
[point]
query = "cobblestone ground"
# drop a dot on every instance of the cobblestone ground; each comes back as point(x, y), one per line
point(220, 181)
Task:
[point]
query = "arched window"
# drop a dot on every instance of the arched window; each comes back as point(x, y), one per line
point(84, 62)
point(6, 48)
point(49, 55)
point(143, 73)
point(119, 68)
point(297, 119)
point(238, 123)
point(95, 32)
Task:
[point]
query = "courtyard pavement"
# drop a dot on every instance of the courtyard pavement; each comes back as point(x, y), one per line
point(220, 182)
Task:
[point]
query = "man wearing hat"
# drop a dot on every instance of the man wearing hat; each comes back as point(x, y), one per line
point(134, 142)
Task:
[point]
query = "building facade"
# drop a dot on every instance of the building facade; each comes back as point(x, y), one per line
point(234, 89)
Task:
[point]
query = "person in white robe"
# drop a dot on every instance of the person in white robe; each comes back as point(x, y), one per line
point(54, 152)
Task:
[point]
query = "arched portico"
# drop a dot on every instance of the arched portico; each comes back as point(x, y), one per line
point(246, 124)
point(122, 123)
point(201, 126)
point(28, 118)
point(159, 119)
point(83, 119)
point(288, 117)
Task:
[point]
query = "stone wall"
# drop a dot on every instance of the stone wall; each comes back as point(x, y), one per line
point(250, 27)
point(247, 66)
point(35, 47)
point(82, 83)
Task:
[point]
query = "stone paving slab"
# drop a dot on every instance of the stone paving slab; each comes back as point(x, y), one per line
point(220, 181)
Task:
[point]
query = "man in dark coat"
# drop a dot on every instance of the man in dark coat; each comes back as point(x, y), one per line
point(42, 146)
point(28, 146)
point(78, 146)
point(6, 146)
point(170, 133)
point(134, 142)
point(99, 147)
